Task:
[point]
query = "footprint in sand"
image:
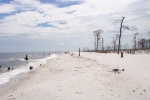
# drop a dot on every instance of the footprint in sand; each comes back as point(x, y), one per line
point(11, 97)
point(61, 70)
point(78, 92)
point(78, 67)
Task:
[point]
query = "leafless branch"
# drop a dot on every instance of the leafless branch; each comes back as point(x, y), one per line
point(133, 28)
point(117, 21)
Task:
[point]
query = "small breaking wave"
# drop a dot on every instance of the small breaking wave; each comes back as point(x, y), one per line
point(5, 77)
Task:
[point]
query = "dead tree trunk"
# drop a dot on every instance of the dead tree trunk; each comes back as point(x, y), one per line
point(120, 34)
point(79, 51)
point(102, 45)
point(135, 42)
point(114, 43)
point(95, 42)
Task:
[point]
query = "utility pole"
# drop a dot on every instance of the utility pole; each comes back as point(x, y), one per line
point(120, 34)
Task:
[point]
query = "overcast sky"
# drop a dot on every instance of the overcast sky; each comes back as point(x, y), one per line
point(52, 25)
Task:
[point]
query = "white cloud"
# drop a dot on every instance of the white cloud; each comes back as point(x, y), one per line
point(7, 8)
point(69, 0)
point(88, 16)
point(26, 2)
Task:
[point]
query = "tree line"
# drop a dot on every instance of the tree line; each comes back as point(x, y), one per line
point(138, 44)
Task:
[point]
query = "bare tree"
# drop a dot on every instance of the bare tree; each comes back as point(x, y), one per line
point(148, 33)
point(139, 44)
point(95, 39)
point(114, 41)
point(148, 39)
point(134, 39)
point(149, 43)
point(142, 43)
point(97, 35)
point(146, 43)
point(122, 27)
point(120, 31)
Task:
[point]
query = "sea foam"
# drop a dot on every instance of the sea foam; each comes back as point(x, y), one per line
point(5, 77)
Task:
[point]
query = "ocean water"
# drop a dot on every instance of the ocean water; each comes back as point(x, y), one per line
point(19, 65)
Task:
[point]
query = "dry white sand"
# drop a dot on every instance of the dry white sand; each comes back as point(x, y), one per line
point(88, 77)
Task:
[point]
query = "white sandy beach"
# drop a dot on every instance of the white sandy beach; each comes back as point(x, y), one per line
point(88, 77)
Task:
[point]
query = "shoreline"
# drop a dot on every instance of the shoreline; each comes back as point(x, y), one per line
point(88, 77)
point(22, 70)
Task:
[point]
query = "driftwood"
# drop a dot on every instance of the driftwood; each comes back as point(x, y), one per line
point(26, 58)
point(30, 67)
point(8, 68)
point(117, 70)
